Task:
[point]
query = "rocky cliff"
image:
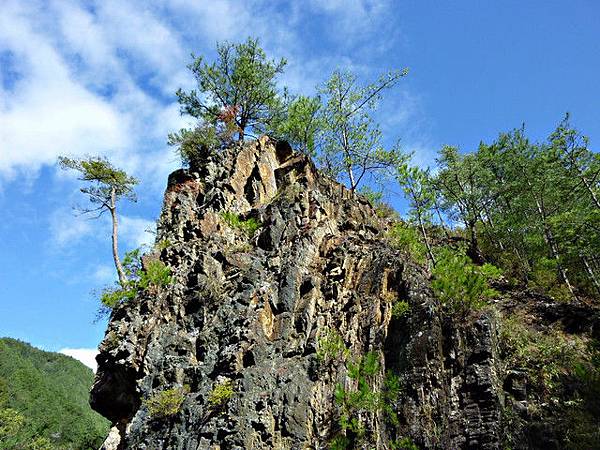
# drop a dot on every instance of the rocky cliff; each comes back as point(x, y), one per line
point(283, 283)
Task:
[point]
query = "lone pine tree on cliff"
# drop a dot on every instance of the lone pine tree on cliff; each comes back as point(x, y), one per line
point(106, 186)
point(237, 92)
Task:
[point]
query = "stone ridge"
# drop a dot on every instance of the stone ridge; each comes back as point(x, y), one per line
point(250, 310)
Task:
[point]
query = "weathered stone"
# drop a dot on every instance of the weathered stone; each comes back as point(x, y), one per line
point(252, 310)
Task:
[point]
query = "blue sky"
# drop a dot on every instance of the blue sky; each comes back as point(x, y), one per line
point(99, 76)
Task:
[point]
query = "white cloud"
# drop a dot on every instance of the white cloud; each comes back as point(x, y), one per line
point(137, 231)
point(86, 355)
point(103, 274)
point(98, 77)
point(46, 112)
point(67, 228)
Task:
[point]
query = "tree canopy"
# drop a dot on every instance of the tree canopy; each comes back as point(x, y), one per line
point(530, 208)
point(236, 92)
point(351, 142)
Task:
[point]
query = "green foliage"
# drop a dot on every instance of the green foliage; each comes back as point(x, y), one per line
point(332, 346)
point(407, 239)
point(154, 276)
point(405, 443)
point(400, 308)
point(40, 443)
point(248, 226)
point(104, 178)
point(113, 296)
point(106, 186)
point(44, 401)
point(165, 403)
point(194, 144)
point(300, 124)
point(363, 398)
point(375, 198)
point(236, 92)
point(544, 355)
point(221, 394)
point(11, 422)
point(532, 208)
point(339, 442)
point(350, 141)
point(163, 245)
point(460, 285)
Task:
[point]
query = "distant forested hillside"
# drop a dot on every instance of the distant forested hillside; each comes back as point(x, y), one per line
point(44, 400)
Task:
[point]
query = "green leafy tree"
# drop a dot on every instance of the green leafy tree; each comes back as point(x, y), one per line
point(416, 185)
point(301, 124)
point(106, 185)
point(460, 285)
point(238, 91)
point(462, 197)
point(193, 144)
point(350, 140)
point(47, 401)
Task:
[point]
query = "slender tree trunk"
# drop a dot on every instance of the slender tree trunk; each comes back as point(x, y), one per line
point(418, 207)
point(426, 238)
point(348, 163)
point(473, 250)
point(591, 191)
point(549, 238)
point(115, 243)
point(492, 227)
point(439, 214)
point(590, 272)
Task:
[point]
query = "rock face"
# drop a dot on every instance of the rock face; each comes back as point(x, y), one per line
point(250, 310)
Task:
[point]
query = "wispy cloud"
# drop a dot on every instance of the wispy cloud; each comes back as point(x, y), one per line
point(98, 77)
point(103, 274)
point(137, 231)
point(67, 228)
point(86, 355)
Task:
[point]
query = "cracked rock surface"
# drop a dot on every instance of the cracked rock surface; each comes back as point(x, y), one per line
point(249, 310)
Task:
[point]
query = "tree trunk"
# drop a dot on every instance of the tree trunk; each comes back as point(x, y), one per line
point(115, 243)
point(590, 273)
point(348, 164)
point(549, 238)
point(473, 250)
point(442, 223)
point(591, 191)
point(427, 244)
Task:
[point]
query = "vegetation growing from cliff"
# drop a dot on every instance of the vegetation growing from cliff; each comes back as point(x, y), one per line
point(351, 143)
point(363, 393)
point(220, 394)
point(237, 94)
point(563, 375)
point(44, 400)
point(531, 209)
point(461, 285)
point(248, 226)
point(165, 403)
point(138, 277)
